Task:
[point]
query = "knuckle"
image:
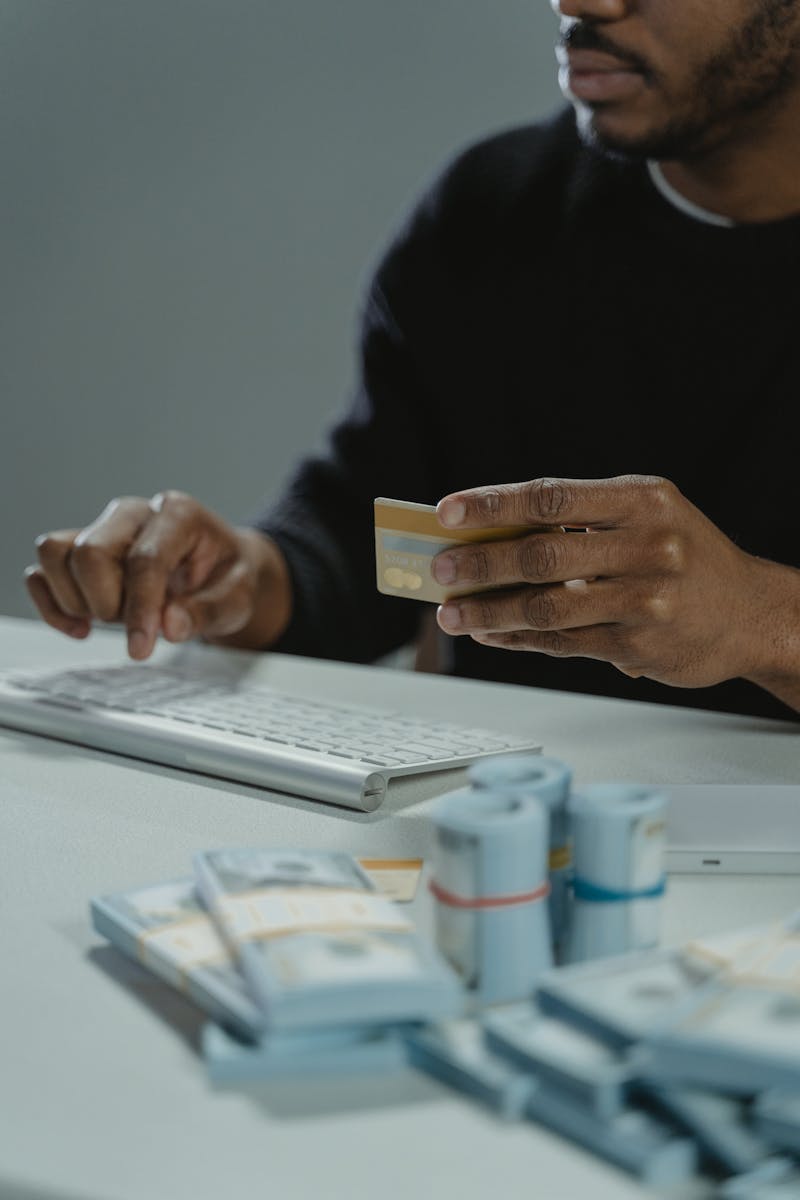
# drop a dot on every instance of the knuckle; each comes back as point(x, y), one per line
point(670, 553)
point(33, 579)
point(657, 607)
point(661, 492)
point(539, 558)
point(489, 503)
point(539, 609)
point(50, 549)
point(142, 561)
point(481, 613)
point(174, 501)
point(87, 558)
point(477, 565)
point(545, 498)
point(555, 642)
point(125, 502)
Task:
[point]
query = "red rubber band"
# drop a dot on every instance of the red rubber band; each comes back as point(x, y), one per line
point(453, 901)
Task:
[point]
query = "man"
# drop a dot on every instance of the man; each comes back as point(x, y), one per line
point(603, 306)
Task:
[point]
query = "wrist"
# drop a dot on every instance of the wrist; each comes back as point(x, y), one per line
point(774, 620)
point(272, 601)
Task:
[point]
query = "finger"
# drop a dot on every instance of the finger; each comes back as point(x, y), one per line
point(222, 607)
point(600, 642)
point(53, 551)
point(558, 607)
point(541, 558)
point(48, 607)
point(150, 568)
point(578, 502)
point(97, 554)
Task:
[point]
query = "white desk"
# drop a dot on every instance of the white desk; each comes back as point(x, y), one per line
point(102, 1093)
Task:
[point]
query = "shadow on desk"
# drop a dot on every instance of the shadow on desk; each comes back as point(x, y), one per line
point(280, 1099)
point(10, 1189)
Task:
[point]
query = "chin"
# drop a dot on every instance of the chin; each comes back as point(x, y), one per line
point(614, 134)
point(631, 137)
point(621, 138)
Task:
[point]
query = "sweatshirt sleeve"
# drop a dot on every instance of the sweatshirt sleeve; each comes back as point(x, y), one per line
point(324, 521)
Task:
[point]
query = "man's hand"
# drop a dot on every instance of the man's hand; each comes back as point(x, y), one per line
point(649, 584)
point(166, 565)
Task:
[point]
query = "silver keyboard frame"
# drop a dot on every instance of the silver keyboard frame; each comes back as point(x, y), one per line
point(219, 753)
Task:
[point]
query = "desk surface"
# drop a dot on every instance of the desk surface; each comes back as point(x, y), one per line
point(102, 1092)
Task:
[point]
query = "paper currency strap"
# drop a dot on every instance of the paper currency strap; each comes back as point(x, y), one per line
point(451, 900)
point(594, 893)
point(273, 912)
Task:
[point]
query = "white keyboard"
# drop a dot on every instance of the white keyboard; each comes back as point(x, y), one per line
point(337, 753)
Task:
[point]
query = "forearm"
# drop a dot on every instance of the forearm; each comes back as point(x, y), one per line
point(776, 632)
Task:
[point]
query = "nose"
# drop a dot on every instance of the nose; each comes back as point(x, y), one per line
point(592, 10)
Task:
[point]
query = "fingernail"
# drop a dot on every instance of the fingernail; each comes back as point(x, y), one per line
point(444, 568)
point(138, 644)
point(450, 617)
point(80, 629)
point(177, 624)
point(451, 512)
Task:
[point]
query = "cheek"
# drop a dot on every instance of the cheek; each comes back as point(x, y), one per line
point(683, 36)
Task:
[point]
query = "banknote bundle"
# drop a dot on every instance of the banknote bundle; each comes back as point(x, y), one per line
point(517, 1063)
point(547, 780)
point(710, 1034)
point(490, 885)
point(777, 1118)
point(457, 1053)
point(618, 836)
point(318, 944)
point(589, 1044)
point(303, 966)
point(604, 869)
point(580, 1066)
point(778, 1179)
point(166, 928)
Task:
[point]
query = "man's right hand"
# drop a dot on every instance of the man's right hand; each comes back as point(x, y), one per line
point(166, 565)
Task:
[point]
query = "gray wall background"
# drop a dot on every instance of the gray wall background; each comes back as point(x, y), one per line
point(193, 194)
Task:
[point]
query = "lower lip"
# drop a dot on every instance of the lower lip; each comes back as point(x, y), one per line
point(604, 85)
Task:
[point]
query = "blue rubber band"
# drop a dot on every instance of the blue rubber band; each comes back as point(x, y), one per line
point(592, 893)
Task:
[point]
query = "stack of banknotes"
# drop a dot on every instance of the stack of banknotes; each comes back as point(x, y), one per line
point(303, 965)
point(663, 1062)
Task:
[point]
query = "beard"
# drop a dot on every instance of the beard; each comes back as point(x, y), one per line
point(746, 78)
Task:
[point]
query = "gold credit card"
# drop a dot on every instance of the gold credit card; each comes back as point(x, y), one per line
point(408, 536)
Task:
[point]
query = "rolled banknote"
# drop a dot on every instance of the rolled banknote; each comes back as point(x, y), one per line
point(166, 929)
point(618, 832)
point(490, 883)
point(318, 944)
point(547, 780)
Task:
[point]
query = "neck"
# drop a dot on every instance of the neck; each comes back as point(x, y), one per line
point(755, 178)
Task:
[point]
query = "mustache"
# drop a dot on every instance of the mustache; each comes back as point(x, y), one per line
point(582, 35)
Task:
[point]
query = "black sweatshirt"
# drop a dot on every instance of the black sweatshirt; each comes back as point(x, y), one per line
point(546, 311)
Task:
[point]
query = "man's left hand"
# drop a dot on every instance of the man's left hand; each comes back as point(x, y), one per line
point(649, 583)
